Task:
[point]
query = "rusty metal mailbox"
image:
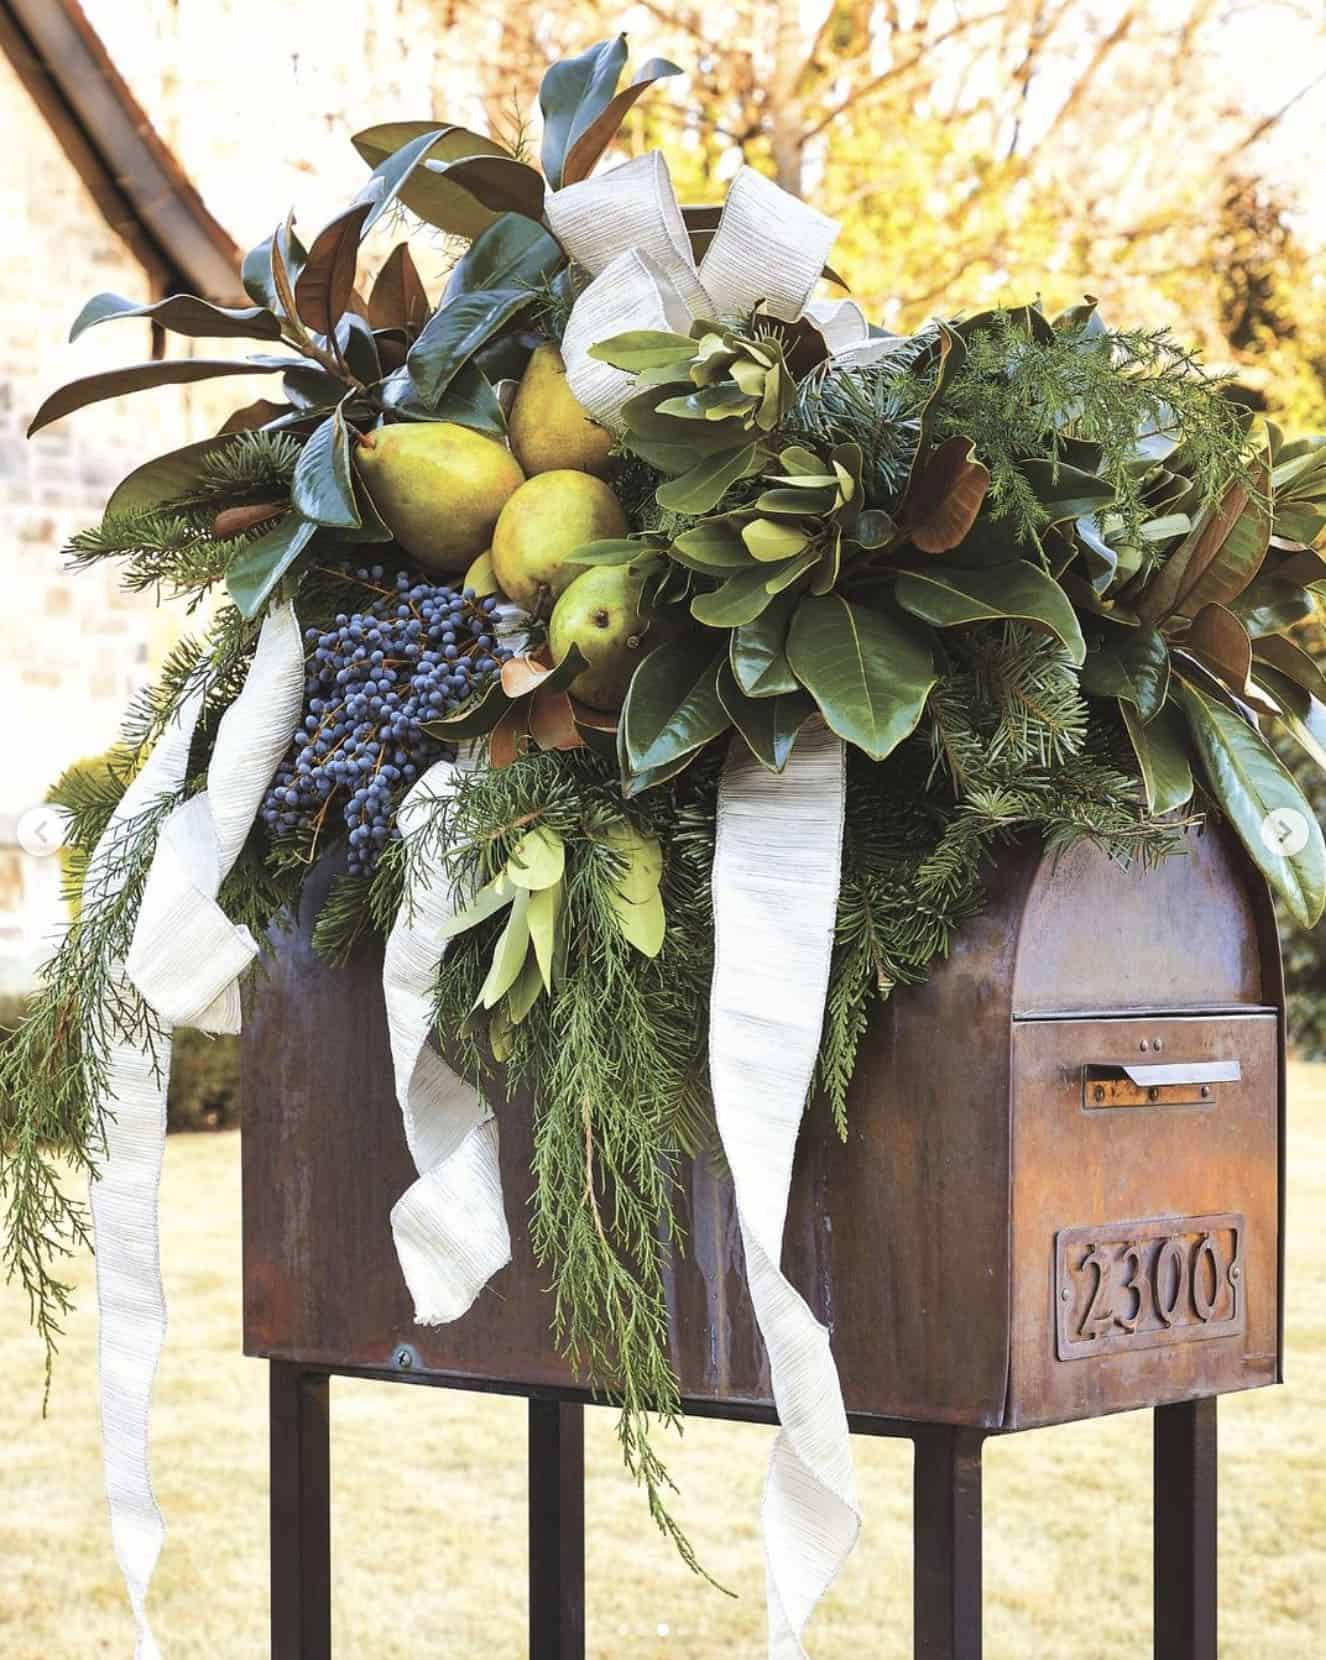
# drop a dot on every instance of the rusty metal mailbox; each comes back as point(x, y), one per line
point(1061, 1196)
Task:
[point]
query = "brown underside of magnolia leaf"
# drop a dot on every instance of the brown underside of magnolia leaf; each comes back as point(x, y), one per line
point(947, 496)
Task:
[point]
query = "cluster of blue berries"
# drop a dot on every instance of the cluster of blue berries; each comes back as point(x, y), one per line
point(415, 653)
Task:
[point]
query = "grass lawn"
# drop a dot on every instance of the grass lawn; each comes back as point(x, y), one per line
point(429, 1490)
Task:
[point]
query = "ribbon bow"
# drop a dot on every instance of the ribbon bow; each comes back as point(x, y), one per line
point(626, 228)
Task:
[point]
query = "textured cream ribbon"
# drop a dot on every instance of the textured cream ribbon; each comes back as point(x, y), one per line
point(776, 873)
point(625, 228)
point(449, 1226)
point(183, 960)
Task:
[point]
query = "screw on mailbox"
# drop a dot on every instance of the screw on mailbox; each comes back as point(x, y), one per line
point(404, 1359)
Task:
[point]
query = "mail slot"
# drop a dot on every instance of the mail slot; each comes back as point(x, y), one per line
point(1060, 1194)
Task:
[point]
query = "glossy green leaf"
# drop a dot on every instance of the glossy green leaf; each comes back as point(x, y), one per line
point(743, 597)
point(1066, 492)
point(1302, 715)
point(869, 675)
point(514, 252)
point(509, 953)
point(453, 334)
point(611, 551)
point(1251, 785)
point(257, 275)
point(138, 377)
point(324, 287)
point(1215, 561)
point(538, 859)
point(574, 94)
point(474, 719)
point(323, 486)
point(770, 542)
point(401, 154)
point(672, 704)
point(163, 479)
point(769, 725)
point(1289, 659)
point(470, 400)
point(1131, 664)
point(499, 183)
point(1162, 756)
point(948, 596)
point(253, 574)
point(1269, 604)
point(712, 545)
point(704, 486)
point(183, 314)
point(592, 140)
point(758, 651)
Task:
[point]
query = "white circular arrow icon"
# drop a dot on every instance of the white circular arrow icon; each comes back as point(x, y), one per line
point(41, 831)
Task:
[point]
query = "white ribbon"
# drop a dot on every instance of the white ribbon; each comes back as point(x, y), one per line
point(776, 873)
point(183, 960)
point(449, 1226)
point(625, 228)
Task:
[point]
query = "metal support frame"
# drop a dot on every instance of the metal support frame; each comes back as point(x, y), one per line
point(946, 1525)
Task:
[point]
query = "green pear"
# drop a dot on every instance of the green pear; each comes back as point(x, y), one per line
point(600, 612)
point(481, 576)
point(548, 426)
point(439, 487)
point(545, 520)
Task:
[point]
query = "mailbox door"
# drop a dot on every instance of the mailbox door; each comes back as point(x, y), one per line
point(1145, 1212)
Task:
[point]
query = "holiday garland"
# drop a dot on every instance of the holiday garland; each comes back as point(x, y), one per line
point(1040, 575)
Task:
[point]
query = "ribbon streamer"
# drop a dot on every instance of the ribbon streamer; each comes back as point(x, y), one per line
point(625, 228)
point(777, 867)
point(449, 1227)
point(183, 961)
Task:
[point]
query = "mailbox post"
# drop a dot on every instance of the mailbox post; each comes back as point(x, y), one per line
point(1061, 1197)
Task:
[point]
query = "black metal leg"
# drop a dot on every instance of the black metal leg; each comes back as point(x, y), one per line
point(300, 1514)
point(946, 1563)
point(1185, 1531)
point(556, 1531)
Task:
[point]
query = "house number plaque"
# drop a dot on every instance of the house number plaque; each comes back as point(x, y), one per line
point(1137, 1285)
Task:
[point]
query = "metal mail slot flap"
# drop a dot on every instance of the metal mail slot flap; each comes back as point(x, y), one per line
point(1184, 1072)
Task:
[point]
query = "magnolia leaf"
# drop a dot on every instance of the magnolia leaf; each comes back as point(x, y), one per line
point(253, 574)
point(769, 725)
point(1289, 659)
point(869, 675)
point(323, 487)
point(758, 651)
point(1162, 757)
point(183, 314)
point(262, 412)
point(487, 902)
point(1216, 560)
point(1269, 604)
point(1301, 714)
point(593, 140)
point(399, 153)
point(510, 738)
point(574, 94)
point(475, 718)
point(508, 954)
point(163, 479)
point(538, 859)
point(141, 377)
point(398, 299)
point(553, 723)
point(949, 597)
point(323, 288)
point(1219, 640)
point(471, 400)
point(702, 488)
point(525, 674)
point(642, 921)
point(1259, 798)
point(672, 705)
point(256, 272)
point(1066, 492)
point(947, 497)
point(514, 252)
point(1132, 665)
point(454, 333)
point(499, 183)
